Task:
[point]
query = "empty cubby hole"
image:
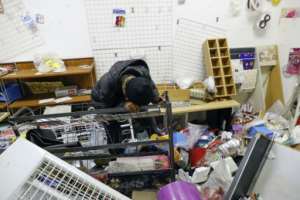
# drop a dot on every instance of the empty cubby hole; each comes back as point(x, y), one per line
point(213, 53)
point(220, 91)
point(227, 71)
point(212, 44)
point(219, 81)
point(230, 90)
point(215, 62)
point(225, 61)
point(224, 52)
point(217, 71)
point(222, 43)
point(229, 80)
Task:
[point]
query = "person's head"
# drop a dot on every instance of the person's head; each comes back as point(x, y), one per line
point(139, 90)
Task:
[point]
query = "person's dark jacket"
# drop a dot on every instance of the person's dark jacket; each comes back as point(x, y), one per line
point(108, 91)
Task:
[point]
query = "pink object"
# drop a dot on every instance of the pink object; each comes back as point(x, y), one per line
point(291, 14)
point(179, 190)
point(293, 66)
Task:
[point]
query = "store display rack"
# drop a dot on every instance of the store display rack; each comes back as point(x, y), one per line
point(67, 152)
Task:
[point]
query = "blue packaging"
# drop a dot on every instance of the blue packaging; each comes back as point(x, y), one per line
point(12, 93)
point(262, 129)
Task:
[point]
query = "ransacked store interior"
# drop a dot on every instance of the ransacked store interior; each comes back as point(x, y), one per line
point(149, 100)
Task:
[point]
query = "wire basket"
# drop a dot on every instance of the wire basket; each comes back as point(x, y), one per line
point(45, 176)
point(83, 131)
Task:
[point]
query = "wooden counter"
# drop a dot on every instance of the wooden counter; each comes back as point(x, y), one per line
point(198, 106)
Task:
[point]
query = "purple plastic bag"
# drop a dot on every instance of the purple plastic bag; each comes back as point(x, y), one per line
point(179, 190)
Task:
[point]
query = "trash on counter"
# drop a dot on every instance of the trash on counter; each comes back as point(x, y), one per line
point(49, 63)
point(210, 85)
point(179, 190)
point(205, 91)
point(184, 82)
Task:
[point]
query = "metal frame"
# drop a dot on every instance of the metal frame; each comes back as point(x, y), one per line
point(109, 115)
point(250, 168)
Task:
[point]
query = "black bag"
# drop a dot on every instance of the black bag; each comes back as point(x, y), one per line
point(42, 138)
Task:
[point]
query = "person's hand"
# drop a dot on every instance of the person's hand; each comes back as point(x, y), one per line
point(158, 100)
point(131, 107)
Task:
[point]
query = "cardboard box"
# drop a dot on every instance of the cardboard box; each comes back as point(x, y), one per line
point(144, 195)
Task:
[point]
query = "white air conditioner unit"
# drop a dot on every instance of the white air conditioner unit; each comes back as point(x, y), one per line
point(29, 172)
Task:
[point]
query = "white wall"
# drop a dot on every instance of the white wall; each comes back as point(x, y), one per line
point(65, 30)
point(240, 31)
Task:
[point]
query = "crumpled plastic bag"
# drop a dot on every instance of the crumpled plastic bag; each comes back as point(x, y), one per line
point(220, 177)
point(279, 125)
point(184, 82)
point(194, 132)
point(49, 63)
point(210, 85)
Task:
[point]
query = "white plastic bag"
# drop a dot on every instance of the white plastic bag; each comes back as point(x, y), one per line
point(184, 82)
point(49, 63)
point(195, 131)
point(220, 177)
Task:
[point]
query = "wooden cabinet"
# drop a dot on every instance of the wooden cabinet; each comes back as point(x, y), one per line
point(80, 72)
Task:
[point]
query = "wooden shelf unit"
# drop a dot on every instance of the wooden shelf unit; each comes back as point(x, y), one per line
point(218, 65)
point(80, 72)
point(35, 102)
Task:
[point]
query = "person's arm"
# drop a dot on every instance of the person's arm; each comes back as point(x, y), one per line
point(156, 98)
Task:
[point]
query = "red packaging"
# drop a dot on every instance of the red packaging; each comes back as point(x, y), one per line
point(197, 156)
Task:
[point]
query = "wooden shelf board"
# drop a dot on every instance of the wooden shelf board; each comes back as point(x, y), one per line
point(33, 73)
point(198, 106)
point(2, 105)
point(35, 102)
